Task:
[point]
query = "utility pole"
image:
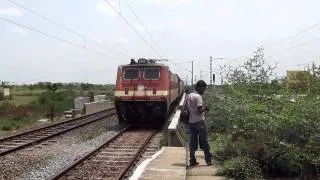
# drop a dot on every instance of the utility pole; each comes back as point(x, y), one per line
point(189, 70)
point(14, 92)
point(186, 79)
point(192, 74)
point(211, 71)
point(212, 80)
point(313, 69)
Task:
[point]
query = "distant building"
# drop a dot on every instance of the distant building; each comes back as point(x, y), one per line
point(4, 93)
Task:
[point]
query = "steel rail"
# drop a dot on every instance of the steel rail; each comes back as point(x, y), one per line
point(51, 125)
point(140, 151)
point(89, 154)
point(47, 134)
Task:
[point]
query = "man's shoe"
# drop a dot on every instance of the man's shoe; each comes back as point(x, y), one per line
point(194, 164)
point(209, 163)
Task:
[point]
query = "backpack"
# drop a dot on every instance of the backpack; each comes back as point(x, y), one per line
point(184, 116)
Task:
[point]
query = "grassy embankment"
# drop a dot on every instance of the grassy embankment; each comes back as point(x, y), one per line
point(27, 106)
point(258, 131)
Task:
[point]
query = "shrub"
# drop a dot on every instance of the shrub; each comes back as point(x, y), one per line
point(20, 112)
point(6, 108)
point(257, 119)
point(225, 146)
point(218, 116)
point(241, 167)
point(284, 141)
point(8, 124)
point(221, 147)
point(61, 101)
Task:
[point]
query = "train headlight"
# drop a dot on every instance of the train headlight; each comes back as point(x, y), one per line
point(140, 87)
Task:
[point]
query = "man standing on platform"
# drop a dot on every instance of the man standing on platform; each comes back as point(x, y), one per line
point(197, 123)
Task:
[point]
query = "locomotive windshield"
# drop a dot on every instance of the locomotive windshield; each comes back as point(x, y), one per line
point(131, 73)
point(151, 73)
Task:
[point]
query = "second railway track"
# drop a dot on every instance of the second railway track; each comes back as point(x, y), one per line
point(113, 159)
point(13, 143)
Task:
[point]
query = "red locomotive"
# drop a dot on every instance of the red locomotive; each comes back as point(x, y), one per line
point(146, 91)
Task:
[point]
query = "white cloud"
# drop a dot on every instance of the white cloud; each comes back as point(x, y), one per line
point(150, 27)
point(96, 38)
point(168, 3)
point(43, 54)
point(204, 29)
point(138, 27)
point(20, 31)
point(105, 8)
point(156, 27)
point(264, 2)
point(11, 12)
point(122, 40)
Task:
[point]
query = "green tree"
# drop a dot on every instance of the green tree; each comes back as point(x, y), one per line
point(254, 78)
point(315, 80)
point(52, 88)
point(255, 118)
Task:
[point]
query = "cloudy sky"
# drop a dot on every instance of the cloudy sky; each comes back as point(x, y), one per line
point(92, 39)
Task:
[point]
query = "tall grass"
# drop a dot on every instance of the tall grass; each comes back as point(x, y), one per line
point(7, 124)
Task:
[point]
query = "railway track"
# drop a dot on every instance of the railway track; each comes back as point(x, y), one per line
point(16, 142)
point(112, 160)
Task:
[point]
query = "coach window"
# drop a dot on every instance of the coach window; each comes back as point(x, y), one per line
point(131, 73)
point(151, 73)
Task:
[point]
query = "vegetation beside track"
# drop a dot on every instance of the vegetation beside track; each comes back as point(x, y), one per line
point(260, 128)
point(28, 103)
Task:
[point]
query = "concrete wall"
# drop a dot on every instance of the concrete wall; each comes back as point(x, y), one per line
point(79, 103)
point(99, 98)
point(6, 92)
point(93, 107)
point(176, 134)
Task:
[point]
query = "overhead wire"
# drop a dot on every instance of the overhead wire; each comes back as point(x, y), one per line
point(294, 47)
point(233, 59)
point(84, 37)
point(294, 35)
point(179, 64)
point(144, 27)
point(284, 40)
point(132, 27)
point(229, 62)
point(288, 49)
point(281, 52)
point(55, 37)
point(183, 68)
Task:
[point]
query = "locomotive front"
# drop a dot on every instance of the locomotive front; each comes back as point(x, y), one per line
point(142, 92)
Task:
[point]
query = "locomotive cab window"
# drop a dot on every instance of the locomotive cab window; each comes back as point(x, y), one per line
point(151, 73)
point(131, 73)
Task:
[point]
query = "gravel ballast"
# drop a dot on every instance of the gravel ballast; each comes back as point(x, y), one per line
point(48, 158)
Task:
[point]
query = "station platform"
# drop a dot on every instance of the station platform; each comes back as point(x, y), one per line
point(171, 163)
